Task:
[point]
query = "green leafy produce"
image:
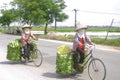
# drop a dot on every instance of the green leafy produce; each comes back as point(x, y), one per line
point(63, 49)
point(14, 49)
point(64, 62)
point(35, 43)
point(85, 60)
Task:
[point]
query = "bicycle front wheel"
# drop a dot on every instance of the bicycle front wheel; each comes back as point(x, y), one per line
point(96, 69)
point(37, 57)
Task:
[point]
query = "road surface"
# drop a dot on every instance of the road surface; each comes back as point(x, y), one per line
point(18, 71)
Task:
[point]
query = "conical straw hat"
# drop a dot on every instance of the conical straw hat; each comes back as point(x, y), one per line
point(26, 26)
point(80, 27)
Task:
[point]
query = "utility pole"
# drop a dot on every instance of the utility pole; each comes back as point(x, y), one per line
point(109, 28)
point(75, 10)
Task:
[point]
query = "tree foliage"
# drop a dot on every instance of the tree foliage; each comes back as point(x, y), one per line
point(36, 12)
point(29, 11)
point(7, 17)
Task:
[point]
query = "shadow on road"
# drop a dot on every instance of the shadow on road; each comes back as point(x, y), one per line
point(58, 76)
point(10, 62)
point(17, 63)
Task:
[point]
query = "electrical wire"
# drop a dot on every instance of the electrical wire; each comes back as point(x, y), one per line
point(86, 11)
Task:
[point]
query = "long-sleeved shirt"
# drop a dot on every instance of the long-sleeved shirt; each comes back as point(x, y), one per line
point(77, 42)
point(25, 38)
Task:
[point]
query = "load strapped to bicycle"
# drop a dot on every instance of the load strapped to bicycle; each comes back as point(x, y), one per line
point(65, 61)
point(15, 52)
point(66, 65)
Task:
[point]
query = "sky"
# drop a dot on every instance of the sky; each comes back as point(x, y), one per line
point(90, 12)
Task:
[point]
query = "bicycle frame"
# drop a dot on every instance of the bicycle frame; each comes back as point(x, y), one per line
point(92, 66)
point(89, 55)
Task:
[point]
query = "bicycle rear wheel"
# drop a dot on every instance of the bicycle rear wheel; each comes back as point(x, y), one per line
point(36, 57)
point(96, 69)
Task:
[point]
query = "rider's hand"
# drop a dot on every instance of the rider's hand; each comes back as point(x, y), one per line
point(72, 50)
point(86, 49)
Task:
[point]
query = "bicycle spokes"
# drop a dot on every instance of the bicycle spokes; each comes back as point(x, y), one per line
point(37, 57)
point(94, 65)
point(96, 69)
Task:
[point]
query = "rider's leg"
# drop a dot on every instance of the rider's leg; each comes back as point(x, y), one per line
point(82, 55)
point(31, 46)
point(25, 50)
point(75, 57)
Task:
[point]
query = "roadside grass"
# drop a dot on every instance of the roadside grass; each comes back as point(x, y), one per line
point(53, 29)
point(69, 38)
point(113, 29)
point(72, 29)
point(3, 30)
point(110, 42)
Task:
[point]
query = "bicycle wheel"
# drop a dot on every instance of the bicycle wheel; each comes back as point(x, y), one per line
point(96, 69)
point(36, 57)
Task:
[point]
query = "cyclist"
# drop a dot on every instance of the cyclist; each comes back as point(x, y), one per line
point(80, 39)
point(25, 39)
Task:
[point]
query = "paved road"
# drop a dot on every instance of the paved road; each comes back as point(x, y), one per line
point(17, 71)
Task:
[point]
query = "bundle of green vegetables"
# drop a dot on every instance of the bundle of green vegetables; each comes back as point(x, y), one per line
point(14, 49)
point(64, 62)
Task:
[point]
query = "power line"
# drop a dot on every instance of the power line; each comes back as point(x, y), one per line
point(86, 11)
point(100, 12)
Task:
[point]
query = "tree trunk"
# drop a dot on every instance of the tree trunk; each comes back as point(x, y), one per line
point(9, 29)
point(55, 24)
point(45, 32)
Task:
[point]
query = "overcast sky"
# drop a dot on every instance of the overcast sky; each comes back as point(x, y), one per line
point(86, 9)
point(90, 12)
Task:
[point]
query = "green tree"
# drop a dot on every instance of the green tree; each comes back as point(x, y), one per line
point(36, 12)
point(59, 18)
point(29, 11)
point(53, 10)
point(7, 17)
point(59, 15)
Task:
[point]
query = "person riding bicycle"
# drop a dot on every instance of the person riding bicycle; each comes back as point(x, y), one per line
point(25, 39)
point(80, 39)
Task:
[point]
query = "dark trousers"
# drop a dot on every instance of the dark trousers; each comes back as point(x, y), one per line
point(25, 47)
point(82, 55)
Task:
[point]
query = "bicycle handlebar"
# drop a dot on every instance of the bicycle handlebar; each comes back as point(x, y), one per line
point(89, 47)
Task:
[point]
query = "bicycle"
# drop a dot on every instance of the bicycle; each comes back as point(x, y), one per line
point(96, 67)
point(35, 56)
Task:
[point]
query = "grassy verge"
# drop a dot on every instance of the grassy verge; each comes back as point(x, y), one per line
point(3, 30)
point(110, 42)
point(69, 38)
point(114, 29)
point(72, 29)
